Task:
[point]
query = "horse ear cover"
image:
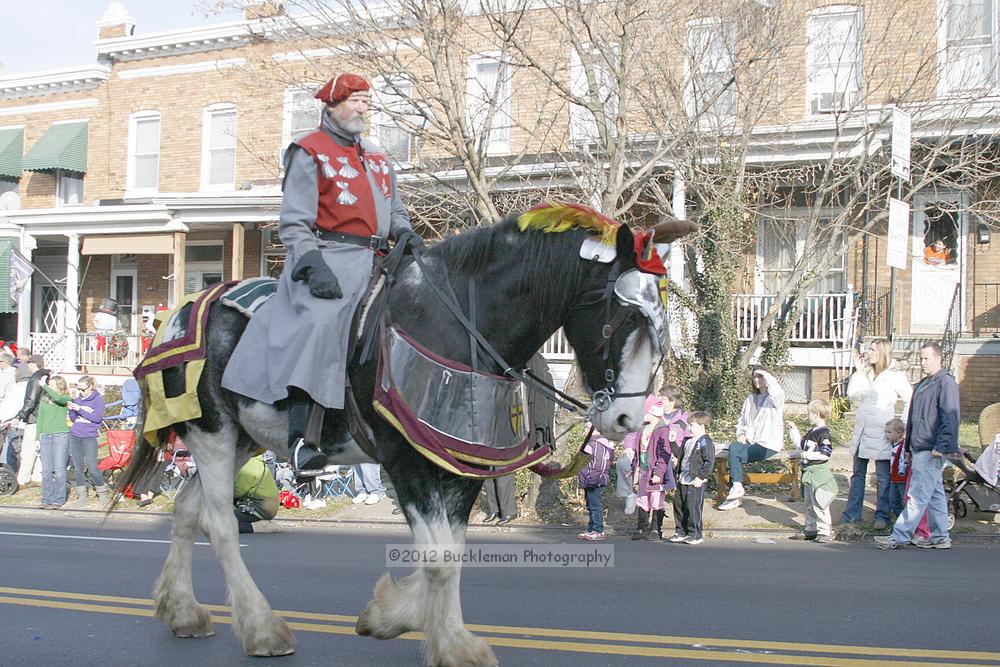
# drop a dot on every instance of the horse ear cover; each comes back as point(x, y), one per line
point(625, 245)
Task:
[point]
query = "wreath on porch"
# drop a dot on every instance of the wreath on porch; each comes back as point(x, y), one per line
point(118, 346)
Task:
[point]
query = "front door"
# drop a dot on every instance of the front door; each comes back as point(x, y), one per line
point(938, 253)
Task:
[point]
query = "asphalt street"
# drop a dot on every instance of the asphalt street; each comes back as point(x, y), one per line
point(75, 593)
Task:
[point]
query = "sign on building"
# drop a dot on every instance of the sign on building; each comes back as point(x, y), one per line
point(899, 233)
point(901, 144)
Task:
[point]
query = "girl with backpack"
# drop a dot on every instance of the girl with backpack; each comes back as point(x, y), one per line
point(593, 478)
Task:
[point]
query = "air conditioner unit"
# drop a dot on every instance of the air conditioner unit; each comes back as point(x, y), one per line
point(831, 102)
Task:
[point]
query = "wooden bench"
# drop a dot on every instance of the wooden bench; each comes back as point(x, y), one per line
point(722, 474)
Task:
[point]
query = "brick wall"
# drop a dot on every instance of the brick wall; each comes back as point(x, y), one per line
point(977, 382)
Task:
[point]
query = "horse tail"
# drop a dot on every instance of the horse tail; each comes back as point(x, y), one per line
point(144, 462)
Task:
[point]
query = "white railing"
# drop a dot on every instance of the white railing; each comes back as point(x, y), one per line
point(557, 348)
point(94, 349)
point(825, 318)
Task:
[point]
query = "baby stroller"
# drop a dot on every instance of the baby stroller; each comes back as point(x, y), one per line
point(979, 485)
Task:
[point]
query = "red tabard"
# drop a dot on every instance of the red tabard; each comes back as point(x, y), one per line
point(346, 201)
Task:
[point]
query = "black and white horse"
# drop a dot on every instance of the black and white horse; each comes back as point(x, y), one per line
point(527, 284)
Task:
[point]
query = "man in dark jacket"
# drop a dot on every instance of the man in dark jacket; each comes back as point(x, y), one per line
point(931, 436)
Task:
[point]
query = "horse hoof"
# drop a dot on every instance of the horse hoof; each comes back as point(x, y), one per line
point(459, 649)
point(274, 640)
point(371, 623)
point(190, 623)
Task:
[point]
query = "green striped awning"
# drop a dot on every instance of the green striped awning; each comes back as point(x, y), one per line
point(7, 304)
point(63, 146)
point(11, 150)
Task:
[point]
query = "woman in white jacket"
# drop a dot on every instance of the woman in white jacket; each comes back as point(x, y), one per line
point(874, 389)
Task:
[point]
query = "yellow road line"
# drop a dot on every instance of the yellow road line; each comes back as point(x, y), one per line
point(617, 648)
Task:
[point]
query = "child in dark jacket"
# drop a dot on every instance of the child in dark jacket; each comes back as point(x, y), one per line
point(593, 478)
point(693, 462)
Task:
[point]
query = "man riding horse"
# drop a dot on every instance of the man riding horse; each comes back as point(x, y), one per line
point(340, 206)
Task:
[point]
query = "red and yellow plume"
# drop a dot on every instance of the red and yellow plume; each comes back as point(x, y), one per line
point(553, 218)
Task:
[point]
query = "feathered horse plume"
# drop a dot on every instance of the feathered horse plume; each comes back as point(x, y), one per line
point(552, 218)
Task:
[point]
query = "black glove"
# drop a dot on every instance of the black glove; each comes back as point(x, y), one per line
point(410, 239)
point(313, 270)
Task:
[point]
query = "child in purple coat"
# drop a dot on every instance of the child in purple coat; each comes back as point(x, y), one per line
point(593, 478)
point(664, 426)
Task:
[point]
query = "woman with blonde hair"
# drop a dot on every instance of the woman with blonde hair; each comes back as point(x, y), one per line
point(874, 389)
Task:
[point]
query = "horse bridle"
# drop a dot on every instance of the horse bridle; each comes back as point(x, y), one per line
point(600, 400)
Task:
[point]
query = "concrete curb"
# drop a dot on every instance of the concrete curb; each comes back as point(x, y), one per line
point(478, 528)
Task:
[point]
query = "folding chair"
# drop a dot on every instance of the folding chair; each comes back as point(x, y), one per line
point(336, 482)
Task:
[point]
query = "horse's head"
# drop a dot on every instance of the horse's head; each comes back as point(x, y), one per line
point(618, 327)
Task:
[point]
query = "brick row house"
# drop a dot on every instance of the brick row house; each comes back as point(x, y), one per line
point(156, 172)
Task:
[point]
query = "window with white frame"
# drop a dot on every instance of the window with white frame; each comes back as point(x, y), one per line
point(202, 265)
point(69, 188)
point(218, 157)
point(833, 58)
point(488, 102)
point(604, 65)
point(393, 111)
point(781, 243)
point(968, 41)
point(711, 87)
point(143, 151)
point(301, 116)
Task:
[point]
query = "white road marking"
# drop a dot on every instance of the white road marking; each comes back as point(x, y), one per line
point(106, 539)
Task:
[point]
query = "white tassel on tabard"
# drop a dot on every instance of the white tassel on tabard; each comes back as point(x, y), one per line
point(346, 170)
point(345, 197)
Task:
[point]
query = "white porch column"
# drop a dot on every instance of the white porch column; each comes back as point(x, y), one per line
point(27, 249)
point(676, 252)
point(72, 321)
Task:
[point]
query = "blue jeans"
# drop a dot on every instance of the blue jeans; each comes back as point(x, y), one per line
point(897, 498)
point(84, 453)
point(926, 494)
point(856, 495)
point(368, 479)
point(595, 508)
point(740, 454)
point(54, 452)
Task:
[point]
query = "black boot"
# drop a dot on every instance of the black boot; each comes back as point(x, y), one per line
point(642, 523)
point(656, 534)
point(303, 456)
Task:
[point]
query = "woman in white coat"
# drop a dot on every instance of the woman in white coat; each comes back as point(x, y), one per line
point(874, 389)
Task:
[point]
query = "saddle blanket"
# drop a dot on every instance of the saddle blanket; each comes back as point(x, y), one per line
point(179, 340)
point(249, 295)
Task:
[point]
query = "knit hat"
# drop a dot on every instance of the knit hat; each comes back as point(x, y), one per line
point(341, 87)
point(654, 406)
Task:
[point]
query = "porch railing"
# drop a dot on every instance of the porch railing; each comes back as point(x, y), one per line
point(94, 349)
point(825, 318)
point(557, 348)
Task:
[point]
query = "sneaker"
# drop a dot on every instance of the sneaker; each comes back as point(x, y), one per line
point(374, 499)
point(736, 492)
point(693, 540)
point(677, 537)
point(823, 539)
point(927, 544)
point(360, 498)
point(803, 535)
point(886, 542)
point(586, 535)
point(595, 537)
point(730, 505)
point(266, 526)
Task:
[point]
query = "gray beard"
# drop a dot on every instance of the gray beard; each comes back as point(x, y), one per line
point(354, 126)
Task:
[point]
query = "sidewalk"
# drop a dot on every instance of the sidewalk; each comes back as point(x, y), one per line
point(766, 513)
